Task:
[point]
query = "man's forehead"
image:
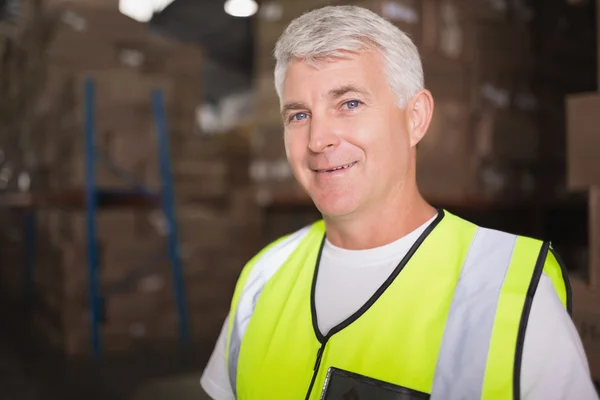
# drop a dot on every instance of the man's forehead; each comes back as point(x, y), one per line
point(335, 90)
point(341, 75)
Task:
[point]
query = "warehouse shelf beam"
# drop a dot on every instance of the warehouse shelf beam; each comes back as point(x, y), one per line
point(91, 209)
point(30, 254)
point(165, 199)
point(74, 199)
point(168, 202)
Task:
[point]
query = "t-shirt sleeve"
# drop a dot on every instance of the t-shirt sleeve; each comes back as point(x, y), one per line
point(215, 378)
point(554, 366)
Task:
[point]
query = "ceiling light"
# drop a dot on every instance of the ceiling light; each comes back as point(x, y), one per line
point(241, 8)
point(142, 10)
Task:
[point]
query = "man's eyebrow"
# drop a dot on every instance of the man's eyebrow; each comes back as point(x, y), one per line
point(291, 106)
point(342, 90)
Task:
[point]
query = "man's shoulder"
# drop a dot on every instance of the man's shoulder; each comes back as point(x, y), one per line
point(497, 232)
point(542, 251)
point(493, 235)
point(260, 268)
point(280, 249)
point(283, 242)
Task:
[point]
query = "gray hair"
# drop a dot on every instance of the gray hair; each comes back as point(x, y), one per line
point(330, 31)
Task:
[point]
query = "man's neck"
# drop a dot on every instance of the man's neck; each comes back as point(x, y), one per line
point(380, 226)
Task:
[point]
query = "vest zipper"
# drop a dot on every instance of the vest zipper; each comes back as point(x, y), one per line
point(316, 368)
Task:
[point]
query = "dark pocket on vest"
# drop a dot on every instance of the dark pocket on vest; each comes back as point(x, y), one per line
point(345, 385)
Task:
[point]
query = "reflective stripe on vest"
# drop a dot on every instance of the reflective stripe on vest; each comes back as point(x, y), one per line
point(464, 350)
point(477, 353)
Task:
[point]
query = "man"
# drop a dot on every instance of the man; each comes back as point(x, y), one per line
point(387, 297)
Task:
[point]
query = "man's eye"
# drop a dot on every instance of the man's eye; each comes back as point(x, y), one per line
point(352, 104)
point(298, 117)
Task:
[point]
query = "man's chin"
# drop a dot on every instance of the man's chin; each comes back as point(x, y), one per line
point(334, 206)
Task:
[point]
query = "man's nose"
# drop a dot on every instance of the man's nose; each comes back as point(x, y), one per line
point(323, 134)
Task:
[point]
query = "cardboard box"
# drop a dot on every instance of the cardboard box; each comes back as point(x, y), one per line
point(135, 273)
point(268, 108)
point(586, 293)
point(505, 47)
point(586, 317)
point(268, 143)
point(446, 79)
point(594, 238)
point(92, 38)
point(586, 297)
point(444, 155)
point(507, 135)
point(407, 15)
point(583, 140)
point(447, 30)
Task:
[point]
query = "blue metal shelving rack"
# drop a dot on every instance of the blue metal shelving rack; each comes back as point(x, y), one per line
point(164, 199)
point(93, 199)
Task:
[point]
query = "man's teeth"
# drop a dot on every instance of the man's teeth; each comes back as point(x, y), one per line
point(343, 166)
point(337, 168)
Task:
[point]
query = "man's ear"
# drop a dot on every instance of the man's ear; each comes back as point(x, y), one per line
point(420, 111)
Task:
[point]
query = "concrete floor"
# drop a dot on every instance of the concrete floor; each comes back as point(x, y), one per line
point(155, 372)
point(162, 373)
point(184, 387)
point(146, 377)
point(15, 382)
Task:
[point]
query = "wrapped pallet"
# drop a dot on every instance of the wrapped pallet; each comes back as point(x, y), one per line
point(213, 204)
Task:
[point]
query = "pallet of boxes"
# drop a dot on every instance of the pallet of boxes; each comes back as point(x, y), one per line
point(583, 174)
point(213, 205)
point(478, 64)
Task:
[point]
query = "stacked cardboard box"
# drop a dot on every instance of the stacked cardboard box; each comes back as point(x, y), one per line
point(213, 205)
point(135, 276)
point(583, 172)
point(12, 252)
point(478, 65)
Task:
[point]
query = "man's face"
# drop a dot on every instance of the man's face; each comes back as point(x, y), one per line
point(346, 140)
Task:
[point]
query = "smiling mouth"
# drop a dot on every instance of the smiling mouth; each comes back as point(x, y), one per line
point(346, 166)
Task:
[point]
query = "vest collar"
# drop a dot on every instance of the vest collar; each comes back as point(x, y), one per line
point(321, 226)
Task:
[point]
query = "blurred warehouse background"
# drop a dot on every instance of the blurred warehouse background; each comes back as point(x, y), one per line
point(141, 145)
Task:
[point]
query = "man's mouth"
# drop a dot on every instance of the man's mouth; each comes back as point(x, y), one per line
point(345, 166)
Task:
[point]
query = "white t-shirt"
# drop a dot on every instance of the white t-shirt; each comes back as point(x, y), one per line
point(554, 363)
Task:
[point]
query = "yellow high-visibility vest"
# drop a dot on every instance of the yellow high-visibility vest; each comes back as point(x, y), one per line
point(448, 323)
